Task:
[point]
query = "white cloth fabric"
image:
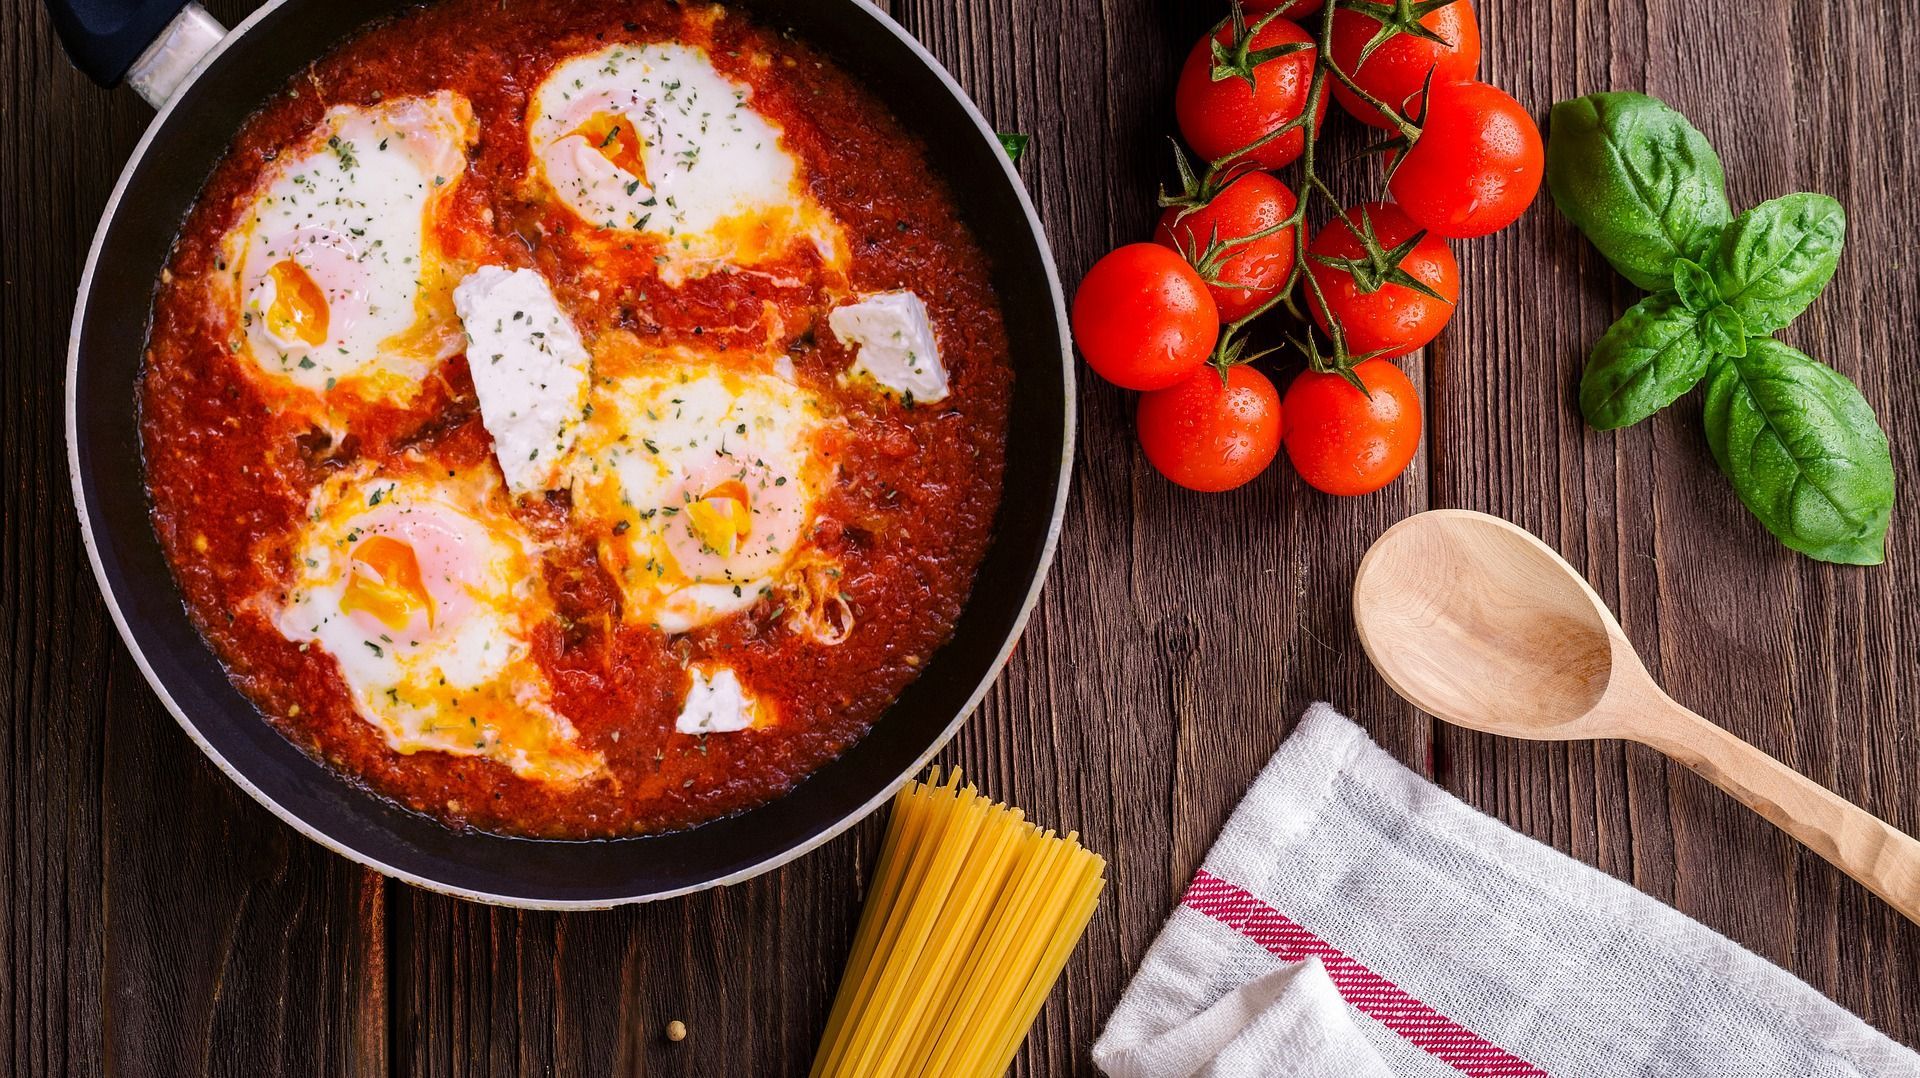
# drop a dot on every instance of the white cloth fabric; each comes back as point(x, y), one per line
point(1534, 962)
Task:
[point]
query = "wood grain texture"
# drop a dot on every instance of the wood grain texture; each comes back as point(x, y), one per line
point(156, 921)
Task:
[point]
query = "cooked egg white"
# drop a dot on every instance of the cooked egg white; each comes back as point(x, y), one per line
point(340, 280)
point(706, 477)
point(424, 590)
point(530, 372)
point(894, 344)
point(716, 703)
point(652, 139)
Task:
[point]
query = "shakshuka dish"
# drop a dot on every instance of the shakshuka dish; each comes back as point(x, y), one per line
point(574, 420)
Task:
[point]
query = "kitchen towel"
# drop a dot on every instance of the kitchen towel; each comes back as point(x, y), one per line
point(1354, 920)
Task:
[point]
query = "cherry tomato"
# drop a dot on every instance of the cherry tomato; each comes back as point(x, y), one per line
point(1476, 165)
point(1396, 71)
point(1253, 203)
point(1344, 441)
point(1143, 318)
point(1205, 434)
point(1391, 320)
point(1293, 10)
point(1220, 117)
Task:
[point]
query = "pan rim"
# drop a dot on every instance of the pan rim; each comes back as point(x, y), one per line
point(79, 483)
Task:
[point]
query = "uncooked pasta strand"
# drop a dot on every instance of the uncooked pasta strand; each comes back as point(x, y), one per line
point(910, 922)
point(971, 915)
point(948, 975)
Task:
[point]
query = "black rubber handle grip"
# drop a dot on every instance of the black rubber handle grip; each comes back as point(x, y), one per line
point(104, 37)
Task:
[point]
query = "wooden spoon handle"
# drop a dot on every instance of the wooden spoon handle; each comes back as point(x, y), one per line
point(1883, 858)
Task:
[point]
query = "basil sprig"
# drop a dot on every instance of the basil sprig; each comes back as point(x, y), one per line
point(1637, 178)
point(1798, 441)
point(1646, 361)
point(1776, 257)
point(1802, 448)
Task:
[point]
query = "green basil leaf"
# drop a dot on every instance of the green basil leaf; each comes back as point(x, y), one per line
point(1724, 331)
point(1639, 180)
point(1015, 144)
point(1804, 452)
point(1695, 286)
point(1643, 363)
point(1776, 257)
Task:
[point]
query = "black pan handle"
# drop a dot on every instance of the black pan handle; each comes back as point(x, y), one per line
point(104, 37)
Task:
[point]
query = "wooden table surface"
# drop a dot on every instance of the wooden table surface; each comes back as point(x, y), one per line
point(153, 919)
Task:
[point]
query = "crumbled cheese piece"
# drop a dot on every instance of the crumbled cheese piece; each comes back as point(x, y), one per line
point(529, 370)
point(715, 705)
point(897, 349)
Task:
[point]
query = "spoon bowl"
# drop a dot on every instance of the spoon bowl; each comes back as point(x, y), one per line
point(1477, 622)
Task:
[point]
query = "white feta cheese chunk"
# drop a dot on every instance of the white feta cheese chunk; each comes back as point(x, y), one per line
point(716, 704)
point(529, 370)
point(896, 345)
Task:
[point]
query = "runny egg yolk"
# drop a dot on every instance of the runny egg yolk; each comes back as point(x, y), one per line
point(704, 478)
point(654, 139)
point(339, 269)
point(299, 307)
point(385, 583)
point(616, 141)
point(723, 518)
point(426, 593)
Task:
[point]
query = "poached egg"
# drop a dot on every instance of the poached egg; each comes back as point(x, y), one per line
point(705, 477)
point(341, 280)
point(653, 139)
point(425, 592)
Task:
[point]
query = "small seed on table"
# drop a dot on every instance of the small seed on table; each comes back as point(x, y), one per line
point(676, 1030)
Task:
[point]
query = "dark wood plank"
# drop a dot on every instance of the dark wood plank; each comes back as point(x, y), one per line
point(157, 920)
point(234, 946)
point(1813, 663)
point(51, 748)
point(749, 970)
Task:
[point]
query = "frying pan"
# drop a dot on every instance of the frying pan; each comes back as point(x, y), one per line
point(205, 82)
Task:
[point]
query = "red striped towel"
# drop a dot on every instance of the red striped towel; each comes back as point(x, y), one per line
point(1354, 920)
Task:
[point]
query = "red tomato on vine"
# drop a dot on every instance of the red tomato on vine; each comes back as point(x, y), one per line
point(1372, 296)
point(1396, 66)
point(1143, 317)
point(1476, 165)
point(1224, 108)
point(1254, 272)
point(1211, 434)
point(1343, 441)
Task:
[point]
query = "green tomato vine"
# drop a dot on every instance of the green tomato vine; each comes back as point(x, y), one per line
point(1378, 266)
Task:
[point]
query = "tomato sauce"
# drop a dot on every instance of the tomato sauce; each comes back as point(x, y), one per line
point(230, 470)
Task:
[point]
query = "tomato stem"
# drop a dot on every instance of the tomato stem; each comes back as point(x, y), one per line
point(1389, 27)
point(1381, 266)
point(1237, 58)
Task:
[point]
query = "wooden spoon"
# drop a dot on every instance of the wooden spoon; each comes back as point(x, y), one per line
point(1477, 622)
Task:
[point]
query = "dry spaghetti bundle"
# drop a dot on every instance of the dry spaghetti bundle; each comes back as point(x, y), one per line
point(972, 913)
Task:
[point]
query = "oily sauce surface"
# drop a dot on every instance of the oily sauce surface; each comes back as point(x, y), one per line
point(230, 470)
